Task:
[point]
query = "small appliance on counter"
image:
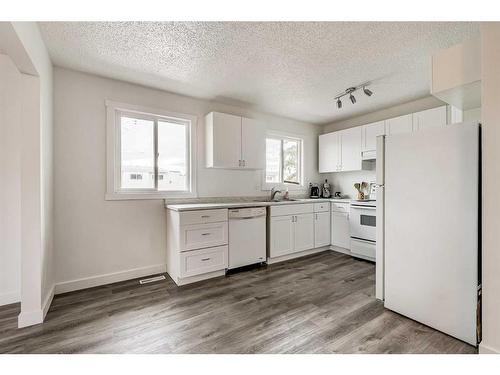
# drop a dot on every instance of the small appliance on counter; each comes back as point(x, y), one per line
point(325, 191)
point(313, 191)
point(337, 195)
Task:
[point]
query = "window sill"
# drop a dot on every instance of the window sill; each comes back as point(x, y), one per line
point(146, 196)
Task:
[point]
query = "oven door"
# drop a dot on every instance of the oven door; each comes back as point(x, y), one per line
point(363, 220)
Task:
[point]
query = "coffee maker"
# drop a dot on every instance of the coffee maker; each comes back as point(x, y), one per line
point(313, 191)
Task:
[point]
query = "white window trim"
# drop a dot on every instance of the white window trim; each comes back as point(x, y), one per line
point(267, 186)
point(113, 191)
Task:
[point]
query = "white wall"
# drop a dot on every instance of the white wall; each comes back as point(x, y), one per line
point(34, 45)
point(94, 237)
point(10, 182)
point(490, 56)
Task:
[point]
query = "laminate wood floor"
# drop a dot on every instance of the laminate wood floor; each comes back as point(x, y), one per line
point(323, 303)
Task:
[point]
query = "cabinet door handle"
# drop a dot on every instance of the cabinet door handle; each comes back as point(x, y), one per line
point(205, 259)
point(205, 234)
point(205, 216)
point(244, 163)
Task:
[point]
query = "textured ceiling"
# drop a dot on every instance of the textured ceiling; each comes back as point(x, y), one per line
point(292, 69)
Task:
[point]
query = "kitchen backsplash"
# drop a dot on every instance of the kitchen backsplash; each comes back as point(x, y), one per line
point(344, 181)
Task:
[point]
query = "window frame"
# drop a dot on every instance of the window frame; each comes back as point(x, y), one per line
point(114, 112)
point(290, 185)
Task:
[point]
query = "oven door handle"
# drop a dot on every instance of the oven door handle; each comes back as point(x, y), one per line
point(360, 207)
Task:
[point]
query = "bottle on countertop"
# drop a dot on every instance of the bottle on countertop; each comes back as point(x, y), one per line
point(326, 191)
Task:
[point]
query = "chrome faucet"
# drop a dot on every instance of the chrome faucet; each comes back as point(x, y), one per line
point(274, 191)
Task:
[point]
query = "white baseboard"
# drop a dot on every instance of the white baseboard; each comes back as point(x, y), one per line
point(29, 318)
point(10, 297)
point(48, 301)
point(340, 250)
point(485, 349)
point(109, 278)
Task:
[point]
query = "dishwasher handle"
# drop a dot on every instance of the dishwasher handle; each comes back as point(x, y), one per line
point(246, 217)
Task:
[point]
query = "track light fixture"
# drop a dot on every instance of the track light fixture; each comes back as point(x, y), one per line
point(349, 91)
point(367, 91)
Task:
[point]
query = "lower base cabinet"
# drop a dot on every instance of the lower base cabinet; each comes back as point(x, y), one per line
point(197, 244)
point(340, 230)
point(304, 232)
point(291, 233)
point(298, 227)
point(322, 229)
point(282, 235)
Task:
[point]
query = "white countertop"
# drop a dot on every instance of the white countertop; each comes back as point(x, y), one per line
point(209, 206)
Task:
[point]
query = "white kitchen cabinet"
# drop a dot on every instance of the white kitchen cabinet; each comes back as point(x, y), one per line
point(430, 119)
point(341, 236)
point(329, 152)
point(234, 142)
point(369, 135)
point(253, 145)
point(322, 229)
point(282, 236)
point(197, 244)
point(397, 125)
point(304, 232)
point(291, 229)
point(340, 151)
point(350, 147)
point(223, 140)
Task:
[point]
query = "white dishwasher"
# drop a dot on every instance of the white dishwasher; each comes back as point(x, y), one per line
point(247, 236)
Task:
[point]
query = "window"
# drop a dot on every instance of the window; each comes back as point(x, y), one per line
point(283, 160)
point(150, 153)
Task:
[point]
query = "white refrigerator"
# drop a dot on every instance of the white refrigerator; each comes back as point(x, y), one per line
point(429, 227)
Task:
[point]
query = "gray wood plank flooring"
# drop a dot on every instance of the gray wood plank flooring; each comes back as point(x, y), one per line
point(323, 303)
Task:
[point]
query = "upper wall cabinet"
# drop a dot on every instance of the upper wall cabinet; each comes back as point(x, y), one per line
point(350, 152)
point(398, 125)
point(340, 151)
point(345, 150)
point(234, 142)
point(369, 134)
point(430, 119)
point(329, 152)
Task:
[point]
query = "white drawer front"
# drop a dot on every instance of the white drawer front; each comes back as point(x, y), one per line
point(292, 209)
point(203, 216)
point(199, 236)
point(340, 207)
point(363, 249)
point(322, 207)
point(198, 262)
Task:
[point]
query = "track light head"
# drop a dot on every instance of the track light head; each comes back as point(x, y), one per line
point(339, 103)
point(353, 99)
point(368, 92)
